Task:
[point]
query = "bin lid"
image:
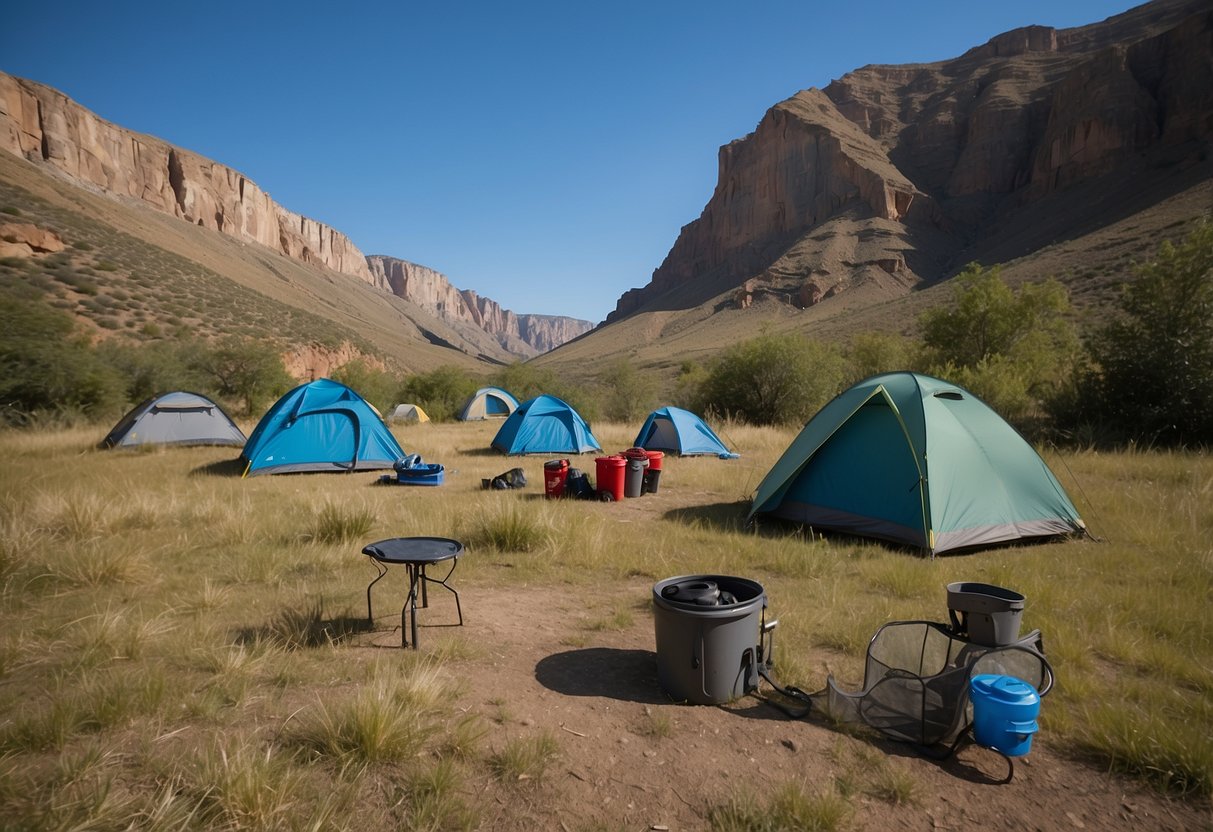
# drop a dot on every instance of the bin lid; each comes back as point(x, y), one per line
point(1006, 689)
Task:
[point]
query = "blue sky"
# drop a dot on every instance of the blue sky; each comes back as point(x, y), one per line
point(543, 154)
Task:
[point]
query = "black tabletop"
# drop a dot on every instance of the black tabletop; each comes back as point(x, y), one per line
point(414, 549)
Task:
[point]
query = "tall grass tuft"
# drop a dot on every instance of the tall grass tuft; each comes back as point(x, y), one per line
point(511, 528)
point(337, 523)
point(526, 758)
point(790, 809)
point(239, 786)
point(434, 801)
point(388, 719)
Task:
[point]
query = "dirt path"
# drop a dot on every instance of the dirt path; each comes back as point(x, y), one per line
point(631, 759)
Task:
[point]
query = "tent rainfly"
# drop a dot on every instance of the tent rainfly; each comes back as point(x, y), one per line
point(678, 431)
point(320, 426)
point(545, 425)
point(178, 418)
point(407, 413)
point(488, 403)
point(917, 461)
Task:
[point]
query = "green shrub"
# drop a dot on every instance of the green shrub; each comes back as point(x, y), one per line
point(773, 379)
point(440, 392)
point(1152, 376)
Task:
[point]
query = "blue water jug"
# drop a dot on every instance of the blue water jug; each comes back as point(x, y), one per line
point(1004, 713)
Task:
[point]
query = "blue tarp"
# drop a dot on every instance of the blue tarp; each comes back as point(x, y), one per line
point(320, 426)
point(678, 431)
point(545, 425)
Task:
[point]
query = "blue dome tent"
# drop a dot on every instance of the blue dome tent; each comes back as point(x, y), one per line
point(545, 425)
point(678, 431)
point(320, 426)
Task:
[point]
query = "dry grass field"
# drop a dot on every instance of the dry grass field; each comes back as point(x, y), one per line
point(185, 649)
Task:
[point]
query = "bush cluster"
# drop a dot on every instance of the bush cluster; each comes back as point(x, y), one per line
point(1146, 375)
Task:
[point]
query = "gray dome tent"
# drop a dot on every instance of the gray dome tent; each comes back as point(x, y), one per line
point(177, 418)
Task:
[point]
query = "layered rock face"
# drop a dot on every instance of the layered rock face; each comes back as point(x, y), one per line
point(46, 126)
point(523, 335)
point(889, 173)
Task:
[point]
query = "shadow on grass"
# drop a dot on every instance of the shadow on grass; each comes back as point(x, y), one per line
point(729, 517)
point(296, 629)
point(627, 675)
point(222, 468)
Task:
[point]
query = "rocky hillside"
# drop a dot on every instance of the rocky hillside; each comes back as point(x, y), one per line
point(524, 335)
point(44, 126)
point(893, 177)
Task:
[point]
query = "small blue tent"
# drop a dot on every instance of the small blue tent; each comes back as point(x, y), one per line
point(678, 431)
point(320, 426)
point(545, 425)
point(488, 403)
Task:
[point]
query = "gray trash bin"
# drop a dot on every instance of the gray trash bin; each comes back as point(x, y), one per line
point(709, 632)
point(985, 614)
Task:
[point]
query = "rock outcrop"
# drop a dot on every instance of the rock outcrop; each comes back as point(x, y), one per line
point(24, 239)
point(889, 174)
point(520, 334)
point(44, 125)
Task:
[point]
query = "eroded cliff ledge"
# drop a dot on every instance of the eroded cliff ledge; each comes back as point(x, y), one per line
point(890, 174)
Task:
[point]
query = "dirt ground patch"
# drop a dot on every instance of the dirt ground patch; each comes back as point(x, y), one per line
point(630, 758)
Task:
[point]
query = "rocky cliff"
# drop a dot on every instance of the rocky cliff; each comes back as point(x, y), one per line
point(523, 335)
point(43, 125)
point(894, 175)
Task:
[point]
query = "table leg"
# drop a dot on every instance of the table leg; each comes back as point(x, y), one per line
point(410, 608)
point(370, 618)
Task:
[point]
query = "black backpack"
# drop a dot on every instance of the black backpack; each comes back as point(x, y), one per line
point(513, 478)
point(577, 485)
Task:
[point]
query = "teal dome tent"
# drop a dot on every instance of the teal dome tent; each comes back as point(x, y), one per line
point(917, 461)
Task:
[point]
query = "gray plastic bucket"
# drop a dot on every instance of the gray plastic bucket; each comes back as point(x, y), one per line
point(985, 614)
point(709, 637)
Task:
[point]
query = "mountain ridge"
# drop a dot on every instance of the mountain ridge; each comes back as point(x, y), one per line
point(45, 126)
point(891, 175)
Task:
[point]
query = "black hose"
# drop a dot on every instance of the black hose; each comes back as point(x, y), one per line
point(789, 692)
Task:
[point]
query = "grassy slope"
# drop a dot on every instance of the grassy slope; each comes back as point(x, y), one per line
point(170, 273)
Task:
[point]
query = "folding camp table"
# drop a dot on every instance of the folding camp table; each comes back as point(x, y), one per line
point(415, 554)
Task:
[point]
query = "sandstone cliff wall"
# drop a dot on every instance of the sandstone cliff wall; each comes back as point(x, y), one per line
point(901, 168)
point(42, 124)
point(432, 291)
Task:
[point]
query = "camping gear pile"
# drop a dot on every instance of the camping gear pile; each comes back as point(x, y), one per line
point(630, 474)
point(929, 684)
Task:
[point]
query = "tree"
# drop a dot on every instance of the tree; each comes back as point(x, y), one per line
point(246, 370)
point(373, 384)
point(773, 379)
point(1153, 375)
point(873, 353)
point(630, 393)
point(45, 365)
point(441, 392)
point(1013, 349)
